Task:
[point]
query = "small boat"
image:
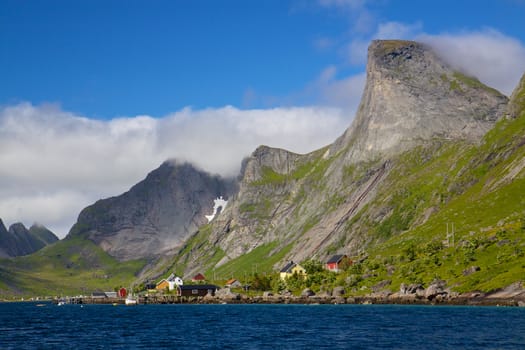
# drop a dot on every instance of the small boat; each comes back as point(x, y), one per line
point(60, 303)
point(130, 301)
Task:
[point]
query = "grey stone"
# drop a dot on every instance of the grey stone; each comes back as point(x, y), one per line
point(471, 270)
point(338, 291)
point(307, 292)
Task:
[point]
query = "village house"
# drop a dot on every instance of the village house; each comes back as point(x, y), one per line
point(164, 284)
point(198, 278)
point(150, 287)
point(233, 283)
point(169, 283)
point(122, 292)
point(196, 290)
point(336, 262)
point(290, 269)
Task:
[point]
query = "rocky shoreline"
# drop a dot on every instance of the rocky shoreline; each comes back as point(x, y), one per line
point(413, 294)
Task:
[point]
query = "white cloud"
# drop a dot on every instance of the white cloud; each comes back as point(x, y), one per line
point(397, 30)
point(344, 92)
point(494, 58)
point(353, 4)
point(55, 163)
point(361, 18)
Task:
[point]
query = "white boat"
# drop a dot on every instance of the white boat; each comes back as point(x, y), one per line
point(130, 300)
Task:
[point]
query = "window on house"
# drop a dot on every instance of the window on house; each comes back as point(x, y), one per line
point(194, 291)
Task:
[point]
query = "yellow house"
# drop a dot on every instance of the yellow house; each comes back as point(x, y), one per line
point(290, 269)
point(163, 285)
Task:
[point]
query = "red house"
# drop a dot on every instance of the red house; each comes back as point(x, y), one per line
point(336, 261)
point(122, 293)
point(198, 278)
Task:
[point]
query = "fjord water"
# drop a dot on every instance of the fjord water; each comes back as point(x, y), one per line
point(26, 326)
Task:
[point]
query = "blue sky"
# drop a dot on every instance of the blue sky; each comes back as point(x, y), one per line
point(104, 59)
point(95, 94)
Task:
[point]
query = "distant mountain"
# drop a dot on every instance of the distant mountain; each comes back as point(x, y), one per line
point(20, 241)
point(155, 216)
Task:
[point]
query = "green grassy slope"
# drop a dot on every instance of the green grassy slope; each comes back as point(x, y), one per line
point(69, 267)
point(477, 188)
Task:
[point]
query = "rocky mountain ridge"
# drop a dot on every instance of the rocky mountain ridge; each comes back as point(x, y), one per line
point(156, 215)
point(19, 241)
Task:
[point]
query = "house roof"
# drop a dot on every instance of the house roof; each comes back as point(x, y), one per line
point(288, 267)
point(335, 259)
point(199, 277)
point(231, 281)
point(163, 280)
point(198, 286)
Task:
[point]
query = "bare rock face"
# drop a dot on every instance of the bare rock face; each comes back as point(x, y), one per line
point(517, 100)
point(156, 215)
point(20, 241)
point(412, 95)
point(264, 157)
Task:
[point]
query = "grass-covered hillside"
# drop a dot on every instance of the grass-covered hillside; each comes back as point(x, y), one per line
point(480, 190)
point(69, 267)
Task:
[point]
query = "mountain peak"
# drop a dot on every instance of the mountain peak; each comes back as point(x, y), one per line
point(18, 240)
point(156, 215)
point(412, 95)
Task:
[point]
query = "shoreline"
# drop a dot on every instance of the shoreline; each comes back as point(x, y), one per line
point(279, 299)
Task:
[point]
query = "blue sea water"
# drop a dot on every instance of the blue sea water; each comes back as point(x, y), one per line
point(27, 326)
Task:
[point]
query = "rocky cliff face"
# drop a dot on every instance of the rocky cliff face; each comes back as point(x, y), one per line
point(20, 241)
point(412, 95)
point(517, 100)
point(324, 202)
point(156, 215)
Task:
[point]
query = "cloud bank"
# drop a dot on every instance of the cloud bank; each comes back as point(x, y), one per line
point(54, 163)
point(496, 59)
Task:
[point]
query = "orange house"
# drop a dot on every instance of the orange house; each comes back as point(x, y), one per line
point(163, 285)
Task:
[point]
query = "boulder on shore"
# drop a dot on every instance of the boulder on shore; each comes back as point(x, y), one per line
point(307, 292)
point(338, 291)
point(435, 289)
point(226, 294)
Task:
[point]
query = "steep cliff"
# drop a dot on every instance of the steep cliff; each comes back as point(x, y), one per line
point(342, 198)
point(156, 215)
point(412, 95)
